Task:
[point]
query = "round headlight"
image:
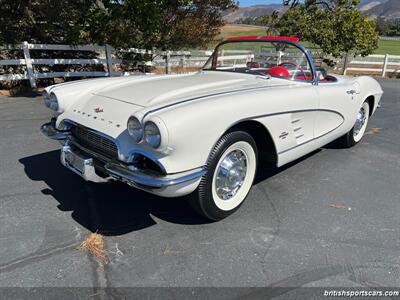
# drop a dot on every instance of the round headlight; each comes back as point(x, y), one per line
point(51, 101)
point(135, 129)
point(152, 134)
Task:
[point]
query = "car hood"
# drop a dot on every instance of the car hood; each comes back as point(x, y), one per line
point(107, 103)
point(156, 90)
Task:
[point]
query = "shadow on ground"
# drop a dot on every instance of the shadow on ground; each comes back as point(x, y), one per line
point(108, 208)
point(115, 208)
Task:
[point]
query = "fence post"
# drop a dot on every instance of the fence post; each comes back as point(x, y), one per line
point(183, 63)
point(109, 60)
point(167, 62)
point(385, 63)
point(345, 63)
point(28, 62)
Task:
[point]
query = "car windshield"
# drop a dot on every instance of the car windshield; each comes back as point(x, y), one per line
point(277, 59)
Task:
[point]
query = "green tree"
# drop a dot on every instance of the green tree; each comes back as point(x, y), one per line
point(127, 23)
point(336, 26)
point(270, 22)
point(43, 21)
point(388, 27)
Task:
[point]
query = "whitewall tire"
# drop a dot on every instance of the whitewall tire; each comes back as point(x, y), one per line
point(361, 122)
point(231, 169)
point(357, 132)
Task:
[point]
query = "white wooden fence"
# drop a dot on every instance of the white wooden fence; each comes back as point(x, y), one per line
point(29, 62)
point(106, 58)
point(389, 38)
point(382, 64)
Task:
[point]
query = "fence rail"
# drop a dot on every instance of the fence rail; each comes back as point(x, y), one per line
point(382, 64)
point(390, 38)
point(105, 56)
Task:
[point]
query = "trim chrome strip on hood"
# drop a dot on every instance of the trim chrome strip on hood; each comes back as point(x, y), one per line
point(116, 99)
point(209, 96)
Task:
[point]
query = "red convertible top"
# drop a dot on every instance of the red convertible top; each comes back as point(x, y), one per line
point(264, 37)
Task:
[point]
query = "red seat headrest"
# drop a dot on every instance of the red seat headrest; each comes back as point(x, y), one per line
point(279, 71)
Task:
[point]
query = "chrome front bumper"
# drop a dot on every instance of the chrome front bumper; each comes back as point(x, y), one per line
point(131, 175)
point(169, 185)
point(83, 166)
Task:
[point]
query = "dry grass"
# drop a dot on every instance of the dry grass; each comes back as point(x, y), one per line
point(238, 27)
point(94, 244)
point(5, 92)
point(373, 130)
point(175, 70)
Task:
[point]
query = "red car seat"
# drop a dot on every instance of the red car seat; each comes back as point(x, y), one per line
point(278, 71)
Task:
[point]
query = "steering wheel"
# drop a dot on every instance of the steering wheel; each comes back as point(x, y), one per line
point(297, 67)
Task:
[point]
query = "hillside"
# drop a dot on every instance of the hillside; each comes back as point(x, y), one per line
point(366, 5)
point(389, 9)
point(252, 12)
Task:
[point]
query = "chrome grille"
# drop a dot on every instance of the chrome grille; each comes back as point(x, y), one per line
point(95, 142)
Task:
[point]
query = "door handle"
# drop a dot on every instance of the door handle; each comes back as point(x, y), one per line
point(351, 92)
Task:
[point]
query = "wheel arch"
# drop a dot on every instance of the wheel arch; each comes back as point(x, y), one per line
point(266, 147)
point(371, 102)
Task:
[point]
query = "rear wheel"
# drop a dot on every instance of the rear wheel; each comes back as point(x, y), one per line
point(231, 169)
point(357, 132)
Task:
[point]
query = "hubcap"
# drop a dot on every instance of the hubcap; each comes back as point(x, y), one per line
point(361, 117)
point(231, 174)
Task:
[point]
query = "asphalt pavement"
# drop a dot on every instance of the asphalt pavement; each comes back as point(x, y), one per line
point(331, 219)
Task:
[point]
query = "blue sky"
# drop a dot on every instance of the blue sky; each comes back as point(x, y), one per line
point(244, 3)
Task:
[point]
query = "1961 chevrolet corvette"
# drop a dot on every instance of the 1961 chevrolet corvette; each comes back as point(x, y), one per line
point(204, 134)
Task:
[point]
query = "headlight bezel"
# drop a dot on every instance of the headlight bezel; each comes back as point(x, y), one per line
point(137, 133)
point(51, 101)
point(152, 134)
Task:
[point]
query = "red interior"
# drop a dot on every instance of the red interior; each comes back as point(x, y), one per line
point(301, 77)
point(278, 71)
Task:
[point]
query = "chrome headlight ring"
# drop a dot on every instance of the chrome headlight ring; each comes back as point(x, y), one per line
point(50, 100)
point(152, 134)
point(135, 129)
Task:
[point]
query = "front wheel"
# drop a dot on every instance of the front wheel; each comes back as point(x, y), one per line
point(231, 168)
point(358, 130)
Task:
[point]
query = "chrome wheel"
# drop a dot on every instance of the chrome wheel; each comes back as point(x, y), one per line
point(231, 174)
point(231, 168)
point(361, 122)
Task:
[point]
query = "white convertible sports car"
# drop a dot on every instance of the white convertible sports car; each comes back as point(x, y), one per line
point(204, 134)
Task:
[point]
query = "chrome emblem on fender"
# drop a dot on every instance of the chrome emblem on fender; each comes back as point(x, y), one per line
point(283, 135)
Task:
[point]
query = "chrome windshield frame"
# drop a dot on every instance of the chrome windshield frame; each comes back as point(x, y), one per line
point(298, 45)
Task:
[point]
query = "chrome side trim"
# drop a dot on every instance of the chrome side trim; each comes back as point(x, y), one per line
point(209, 96)
point(292, 111)
point(282, 113)
point(311, 140)
point(134, 176)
